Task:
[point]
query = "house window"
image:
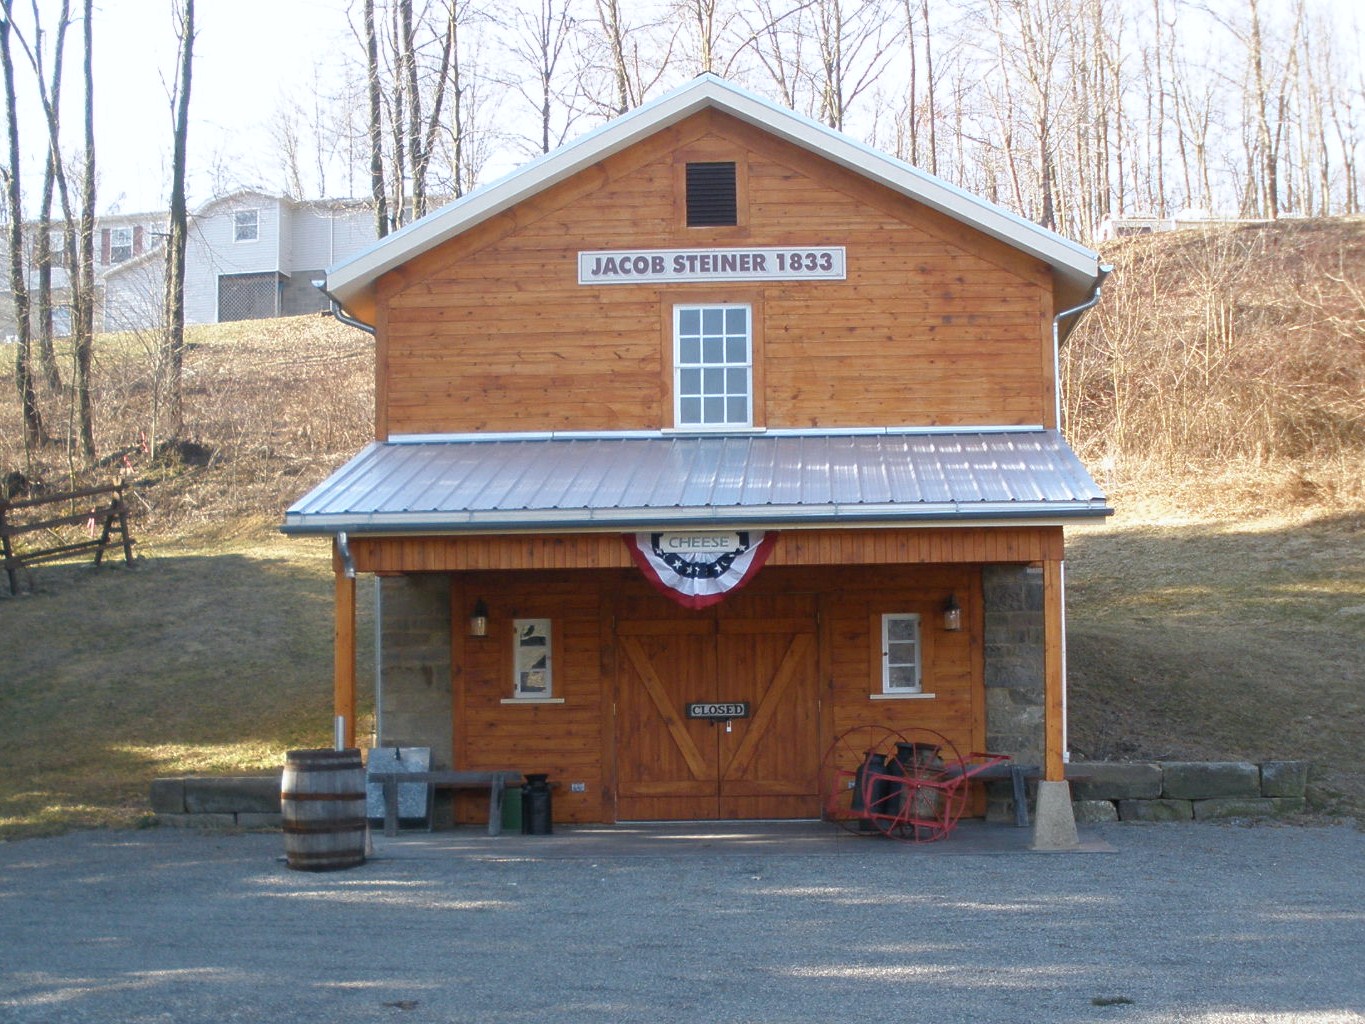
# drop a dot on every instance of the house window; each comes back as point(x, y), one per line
point(711, 194)
point(120, 245)
point(246, 225)
point(900, 655)
point(712, 361)
point(533, 678)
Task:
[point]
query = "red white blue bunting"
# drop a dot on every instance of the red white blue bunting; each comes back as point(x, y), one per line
point(700, 569)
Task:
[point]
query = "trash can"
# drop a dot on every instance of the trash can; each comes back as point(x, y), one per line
point(511, 810)
point(537, 819)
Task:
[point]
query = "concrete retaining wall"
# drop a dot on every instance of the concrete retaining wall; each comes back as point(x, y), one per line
point(1100, 791)
point(245, 801)
point(1186, 790)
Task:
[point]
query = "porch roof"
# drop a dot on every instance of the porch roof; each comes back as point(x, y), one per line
point(571, 482)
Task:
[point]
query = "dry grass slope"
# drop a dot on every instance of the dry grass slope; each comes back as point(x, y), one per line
point(1218, 393)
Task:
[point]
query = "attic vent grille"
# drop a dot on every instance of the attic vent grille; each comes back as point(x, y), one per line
point(711, 195)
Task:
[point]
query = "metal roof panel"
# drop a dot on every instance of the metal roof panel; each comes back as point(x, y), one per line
point(565, 483)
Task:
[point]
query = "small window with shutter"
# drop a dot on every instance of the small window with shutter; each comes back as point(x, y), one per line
point(711, 196)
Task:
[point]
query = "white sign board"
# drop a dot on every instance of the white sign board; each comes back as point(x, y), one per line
point(683, 266)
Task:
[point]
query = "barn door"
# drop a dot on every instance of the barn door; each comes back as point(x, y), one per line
point(761, 765)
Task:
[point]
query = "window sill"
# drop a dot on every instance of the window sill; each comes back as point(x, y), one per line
point(532, 700)
point(901, 696)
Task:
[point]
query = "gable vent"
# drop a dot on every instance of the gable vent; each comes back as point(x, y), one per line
point(711, 195)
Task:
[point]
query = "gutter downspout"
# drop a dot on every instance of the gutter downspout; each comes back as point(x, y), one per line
point(1105, 269)
point(350, 321)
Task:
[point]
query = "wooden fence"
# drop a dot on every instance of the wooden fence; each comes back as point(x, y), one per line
point(109, 514)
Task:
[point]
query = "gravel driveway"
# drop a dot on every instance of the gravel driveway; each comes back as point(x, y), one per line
point(779, 924)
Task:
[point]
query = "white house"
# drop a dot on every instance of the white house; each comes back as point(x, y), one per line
point(250, 255)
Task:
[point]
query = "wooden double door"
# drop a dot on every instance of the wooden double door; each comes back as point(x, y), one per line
point(753, 652)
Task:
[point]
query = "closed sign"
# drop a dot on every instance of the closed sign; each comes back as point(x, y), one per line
point(738, 709)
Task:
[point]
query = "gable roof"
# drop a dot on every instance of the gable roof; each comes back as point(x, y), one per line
point(352, 282)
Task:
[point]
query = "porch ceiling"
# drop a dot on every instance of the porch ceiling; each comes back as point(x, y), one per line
point(644, 480)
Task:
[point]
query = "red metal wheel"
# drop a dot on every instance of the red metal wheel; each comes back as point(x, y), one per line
point(928, 789)
point(847, 799)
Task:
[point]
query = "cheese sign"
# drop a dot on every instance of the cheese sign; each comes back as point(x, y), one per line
point(683, 266)
point(719, 712)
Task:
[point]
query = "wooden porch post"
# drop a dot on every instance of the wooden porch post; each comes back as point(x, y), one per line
point(1054, 683)
point(343, 656)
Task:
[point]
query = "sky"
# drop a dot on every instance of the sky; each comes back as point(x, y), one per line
point(250, 56)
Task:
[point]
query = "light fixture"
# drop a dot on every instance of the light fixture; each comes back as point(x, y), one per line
point(952, 615)
point(478, 619)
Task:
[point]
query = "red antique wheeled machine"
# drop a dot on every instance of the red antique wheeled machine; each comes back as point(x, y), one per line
point(910, 786)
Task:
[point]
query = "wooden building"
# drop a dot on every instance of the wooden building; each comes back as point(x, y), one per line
point(713, 412)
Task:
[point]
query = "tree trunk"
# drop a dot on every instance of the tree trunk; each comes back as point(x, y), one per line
point(378, 193)
point(23, 358)
point(84, 319)
point(177, 236)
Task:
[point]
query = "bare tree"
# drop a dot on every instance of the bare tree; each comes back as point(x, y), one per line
point(178, 228)
point(378, 190)
point(540, 40)
point(83, 305)
point(23, 361)
point(853, 43)
point(631, 58)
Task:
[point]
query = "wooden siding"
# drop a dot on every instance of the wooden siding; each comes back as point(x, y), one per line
point(812, 632)
point(934, 325)
point(1020, 544)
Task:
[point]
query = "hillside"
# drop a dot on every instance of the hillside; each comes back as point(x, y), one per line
point(1218, 393)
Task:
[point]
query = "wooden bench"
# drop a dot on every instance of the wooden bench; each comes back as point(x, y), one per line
point(496, 782)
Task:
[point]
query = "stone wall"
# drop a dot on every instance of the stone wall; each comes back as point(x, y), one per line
point(1012, 596)
point(414, 664)
point(1186, 790)
point(246, 801)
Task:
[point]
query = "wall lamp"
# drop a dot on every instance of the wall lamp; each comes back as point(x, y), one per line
point(478, 619)
point(952, 615)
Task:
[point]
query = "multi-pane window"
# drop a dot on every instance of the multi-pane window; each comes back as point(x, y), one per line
point(900, 654)
point(246, 226)
point(531, 658)
point(120, 245)
point(712, 359)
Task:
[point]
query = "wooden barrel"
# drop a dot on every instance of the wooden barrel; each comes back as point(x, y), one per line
point(322, 798)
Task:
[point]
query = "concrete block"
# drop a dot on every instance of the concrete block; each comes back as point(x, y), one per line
point(1114, 780)
point(249, 819)
point(1054, 823)
point(1284, 778)
point(1287, 805)
point(1204, 780)
point(1233, 807)
point(197, 820)
point(1093, 812)
point(168, 796)
point(230, 795)
point(1156, 810)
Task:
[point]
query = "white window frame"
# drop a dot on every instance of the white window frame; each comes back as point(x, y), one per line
point(239, 226)
point(115, 245)
point(532, 677)
point(685, 391)
point(891, 690)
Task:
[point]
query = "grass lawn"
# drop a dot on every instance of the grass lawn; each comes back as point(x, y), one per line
point(212, 655)
point(1221, 638)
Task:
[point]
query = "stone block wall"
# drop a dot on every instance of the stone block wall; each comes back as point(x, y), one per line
point(245, 801)
point(1187, 790)
point(1012, 596)
point(414, 664)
